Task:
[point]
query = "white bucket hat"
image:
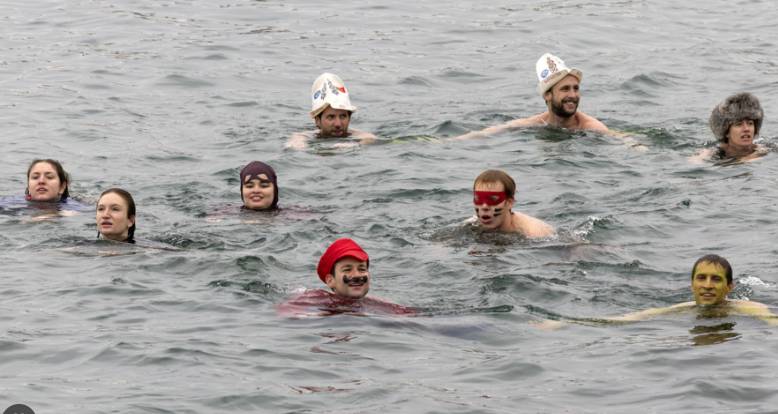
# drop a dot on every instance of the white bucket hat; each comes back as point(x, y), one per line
point(550, 70)
point(328, 90)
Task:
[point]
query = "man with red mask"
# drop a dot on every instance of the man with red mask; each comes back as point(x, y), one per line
point(493, 198)
point(344, 268)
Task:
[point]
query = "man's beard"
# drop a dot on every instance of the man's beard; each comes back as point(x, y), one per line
point(559, 110)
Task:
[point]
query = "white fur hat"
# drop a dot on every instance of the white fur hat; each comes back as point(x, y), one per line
point(328, 90)
point(550, 70)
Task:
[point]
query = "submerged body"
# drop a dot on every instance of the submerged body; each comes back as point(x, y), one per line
point(711, 282)
point(320, 302)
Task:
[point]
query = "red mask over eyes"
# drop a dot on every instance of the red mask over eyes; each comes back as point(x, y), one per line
point(490, 198)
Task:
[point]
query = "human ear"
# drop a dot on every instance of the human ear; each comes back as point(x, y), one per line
point(329, 280)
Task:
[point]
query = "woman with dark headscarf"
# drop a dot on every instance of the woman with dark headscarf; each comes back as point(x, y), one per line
point(258, 187)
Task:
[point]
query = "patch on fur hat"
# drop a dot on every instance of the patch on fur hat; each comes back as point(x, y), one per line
point(735, 108)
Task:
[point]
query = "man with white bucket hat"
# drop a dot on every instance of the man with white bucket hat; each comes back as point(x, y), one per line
point(559, 86)
point(331, 110)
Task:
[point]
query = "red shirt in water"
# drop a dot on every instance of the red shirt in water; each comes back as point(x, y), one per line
point(323, 303)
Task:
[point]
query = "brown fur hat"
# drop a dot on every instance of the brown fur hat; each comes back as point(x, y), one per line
point(735, 108)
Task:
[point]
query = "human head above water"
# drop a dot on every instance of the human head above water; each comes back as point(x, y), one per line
point(331, 106)
point(344, 267)
point(258, 186)
point(551, 70)
point(715, 260)
point(47, 181)
point(736, 108)
point(497, 176)
point(115, 215)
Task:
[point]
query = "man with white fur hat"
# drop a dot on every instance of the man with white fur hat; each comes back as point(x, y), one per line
point(331, 110)
point(560, 88)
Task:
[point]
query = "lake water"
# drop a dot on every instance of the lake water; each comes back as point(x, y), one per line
point(169, 99)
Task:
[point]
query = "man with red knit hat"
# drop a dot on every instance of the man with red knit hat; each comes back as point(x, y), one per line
point(344, 268)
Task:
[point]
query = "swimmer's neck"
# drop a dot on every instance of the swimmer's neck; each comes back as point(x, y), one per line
point(737, 152)
point(320, 136)
point(572, 122)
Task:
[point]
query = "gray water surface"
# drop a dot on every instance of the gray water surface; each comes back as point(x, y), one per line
point(169, 99)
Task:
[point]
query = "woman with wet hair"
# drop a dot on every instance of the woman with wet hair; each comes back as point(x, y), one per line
point(258, 187)
point(47, 182)
point(115, 216)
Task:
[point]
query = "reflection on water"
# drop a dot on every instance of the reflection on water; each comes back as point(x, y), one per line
point(713, 334)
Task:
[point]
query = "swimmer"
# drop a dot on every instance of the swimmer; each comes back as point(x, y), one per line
point(736, 123)
point(258, 187)
point(331, 111)
point(493, 198)
point(115, 216)
point(344, 268)
point(711, 281)
point(47, 182)
point(559, 86)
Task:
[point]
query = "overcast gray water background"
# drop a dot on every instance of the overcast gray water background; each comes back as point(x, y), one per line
point(168, 99)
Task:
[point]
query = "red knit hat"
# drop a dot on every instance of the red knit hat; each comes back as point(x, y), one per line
point(339, 249)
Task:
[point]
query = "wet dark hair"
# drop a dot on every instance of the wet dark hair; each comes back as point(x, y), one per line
point(717, 260)
point(497, 176)
point(61, 174)
point(318, 116)
point(130, 209)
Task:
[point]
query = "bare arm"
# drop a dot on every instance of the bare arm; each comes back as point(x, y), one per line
point(497, 129)
point(629, 317)
point(701, 156)
point(364, 137)
point(650, 313)
point(298, 141)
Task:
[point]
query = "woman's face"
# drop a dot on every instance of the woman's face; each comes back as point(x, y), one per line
point(112, 217)
point(258, 193)
point(44, 184)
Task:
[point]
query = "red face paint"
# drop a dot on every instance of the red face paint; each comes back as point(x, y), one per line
point(490, 198)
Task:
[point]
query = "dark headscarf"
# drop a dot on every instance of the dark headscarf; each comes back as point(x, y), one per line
point(253, 170)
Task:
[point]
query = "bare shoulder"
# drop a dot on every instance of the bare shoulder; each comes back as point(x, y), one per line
point(532, 227)
point(299, 140)
point(701, 156)
point(591, 123)
point(364, 137)
point(748, 307)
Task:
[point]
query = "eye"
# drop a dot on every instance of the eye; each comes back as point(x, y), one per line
point(494, 198)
